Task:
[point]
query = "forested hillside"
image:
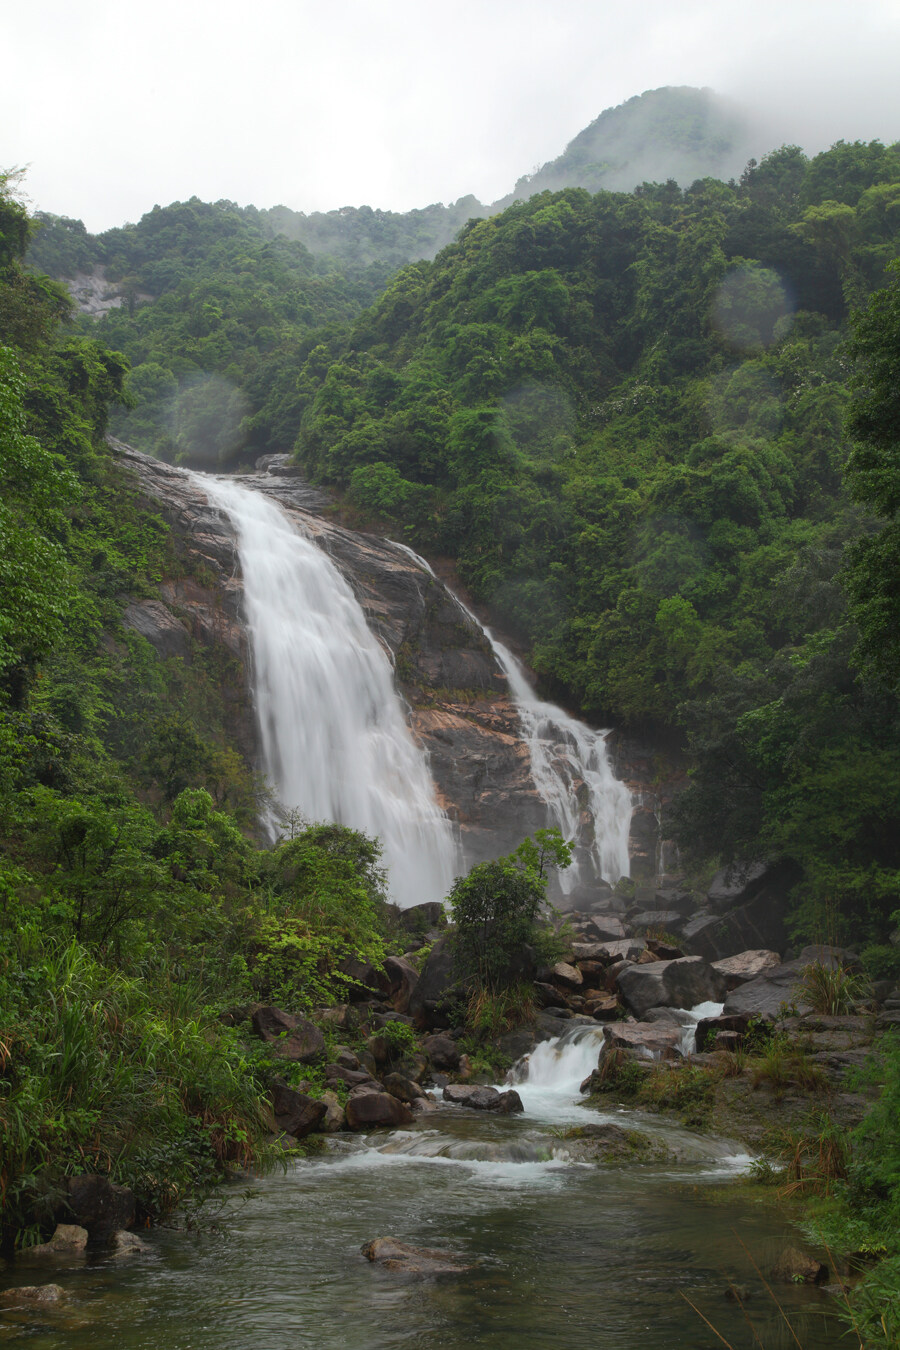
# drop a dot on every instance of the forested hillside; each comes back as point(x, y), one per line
point(623, 415)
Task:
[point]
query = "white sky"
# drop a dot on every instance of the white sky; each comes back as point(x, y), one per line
point(115, 105)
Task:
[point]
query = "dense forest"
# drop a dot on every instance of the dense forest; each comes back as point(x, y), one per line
point(657, 434)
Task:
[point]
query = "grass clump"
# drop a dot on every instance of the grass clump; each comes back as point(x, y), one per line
point(831, 990)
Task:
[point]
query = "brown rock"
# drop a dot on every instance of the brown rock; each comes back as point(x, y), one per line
point(372, 1110)
point(27, 1294)
point(794, 1266)
point(443, 1052)
point(99, 1205)
point(295, 1113)
point(402, 1257)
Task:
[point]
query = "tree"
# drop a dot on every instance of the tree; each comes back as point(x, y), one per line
point(496, 905)
point(872, 573)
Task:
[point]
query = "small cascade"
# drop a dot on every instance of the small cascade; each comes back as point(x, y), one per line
point(335, 741)
point(549, 1079)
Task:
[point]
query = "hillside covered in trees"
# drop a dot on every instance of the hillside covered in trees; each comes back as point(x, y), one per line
point(624, 417)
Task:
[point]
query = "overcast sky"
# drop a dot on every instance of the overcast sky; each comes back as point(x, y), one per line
point(115, 105)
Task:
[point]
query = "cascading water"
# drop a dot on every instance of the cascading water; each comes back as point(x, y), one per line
point(565, 754)
point(571, 769)
point(335, 742)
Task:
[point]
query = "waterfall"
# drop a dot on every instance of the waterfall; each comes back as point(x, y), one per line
point(572, 771)
point(335, 741)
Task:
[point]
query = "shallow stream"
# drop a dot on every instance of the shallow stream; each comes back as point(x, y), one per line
point(564, 1253)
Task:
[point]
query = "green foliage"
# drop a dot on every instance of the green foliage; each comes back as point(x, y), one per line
point(494, 910)
point(831, 990)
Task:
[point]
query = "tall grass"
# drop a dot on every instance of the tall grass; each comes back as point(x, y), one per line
point(97, 1077)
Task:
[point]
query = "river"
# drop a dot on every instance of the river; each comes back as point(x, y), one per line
point(564, 1253)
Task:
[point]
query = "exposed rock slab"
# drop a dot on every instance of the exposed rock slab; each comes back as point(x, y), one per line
point(292, 1038)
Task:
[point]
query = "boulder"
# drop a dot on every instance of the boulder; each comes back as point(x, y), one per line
point(595, 952)
point(99, 1205)
point(442, 1051)
point(69, 1239)
point(352, 1077)
point(510, 1103)
point(334, 1118)
point(402, 1088)
point(667, 920)
point(629, 949)
point(679, 902)
point(468, 1094)
point(292, 1038)
point(295, 1113)
point(769, 994)
point(562, 973)
point(664, 951)
point(128, 1244)
point(609, 927)
point(641, 1040)
point(403, 979)
point(27, 1294)
point(436, 983)
point(737, 970)
point(672, 984)
point(547, 996)
point(402, 1257)
point(601, 1005)
point(368, 979)
point(373, 1109)
point(735, 885)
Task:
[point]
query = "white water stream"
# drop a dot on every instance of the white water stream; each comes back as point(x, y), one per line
point(335, 741)
point(571, 769)
point(573, 773)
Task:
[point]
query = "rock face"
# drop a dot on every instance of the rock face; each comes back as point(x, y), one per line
point(460, 708)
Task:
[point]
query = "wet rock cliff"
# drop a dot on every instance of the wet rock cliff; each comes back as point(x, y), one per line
point(460, 709)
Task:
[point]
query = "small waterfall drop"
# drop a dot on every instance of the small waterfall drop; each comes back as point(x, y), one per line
point(335, 742)
point(573, 773)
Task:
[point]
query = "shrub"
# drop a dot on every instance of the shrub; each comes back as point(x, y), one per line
point(831, 990)
point(495, 908)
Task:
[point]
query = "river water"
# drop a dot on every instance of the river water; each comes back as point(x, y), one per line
point(564, 1253)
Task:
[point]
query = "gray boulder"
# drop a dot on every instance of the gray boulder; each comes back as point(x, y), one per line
point(442, 1051)
point(746, 966)
point(292, 1038)
point(670, 984)
point(769, 994)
